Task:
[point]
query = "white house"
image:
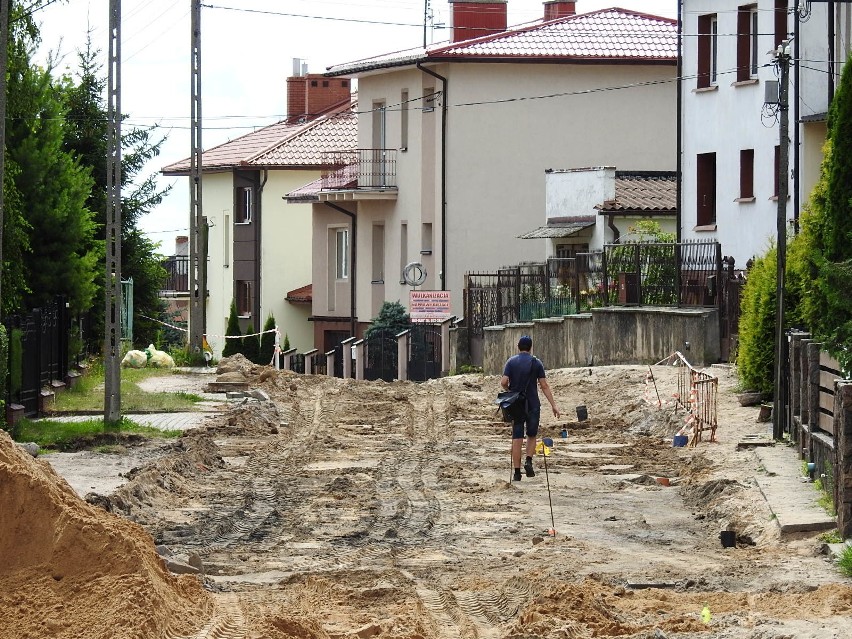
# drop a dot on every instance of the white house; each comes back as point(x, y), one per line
point(454, 142)
point(259, 248)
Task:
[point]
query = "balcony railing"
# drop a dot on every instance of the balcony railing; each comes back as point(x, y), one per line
point(177, 267)
point(361, 169)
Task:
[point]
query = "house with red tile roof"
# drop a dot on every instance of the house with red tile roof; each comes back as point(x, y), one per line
point(259, 248)
point(454, 141)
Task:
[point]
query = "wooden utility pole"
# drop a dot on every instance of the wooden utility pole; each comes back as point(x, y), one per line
point(197, 230)
point(112, 323)
point(779, 408)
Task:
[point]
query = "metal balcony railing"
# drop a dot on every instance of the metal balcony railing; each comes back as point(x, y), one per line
point(177, 267)
point(363, 169)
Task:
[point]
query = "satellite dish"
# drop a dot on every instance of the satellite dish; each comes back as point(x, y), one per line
point(414, 274)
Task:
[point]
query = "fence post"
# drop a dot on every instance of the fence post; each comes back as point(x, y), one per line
point(637, 265)
point(347, 356)
point(804, 405)
point(402, 343)
point(604, 278)
point(329, 363)
point(309, 361)
point(288, 357)
point(843, 428)
point(360, 354)
point(445, 345)
point(813, 391)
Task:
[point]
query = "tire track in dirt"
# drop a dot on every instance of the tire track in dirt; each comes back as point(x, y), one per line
point(227, 621)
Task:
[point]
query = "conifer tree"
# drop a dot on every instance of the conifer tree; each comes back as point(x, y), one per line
point(232, 346)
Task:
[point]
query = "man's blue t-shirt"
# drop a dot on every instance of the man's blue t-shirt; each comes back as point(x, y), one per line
point(516, 370)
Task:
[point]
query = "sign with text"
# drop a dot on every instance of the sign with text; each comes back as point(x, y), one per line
point(429, 307)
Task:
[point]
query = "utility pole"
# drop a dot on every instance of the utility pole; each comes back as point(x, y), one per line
point(197, 230)
point(112, 323)
point(779, 408)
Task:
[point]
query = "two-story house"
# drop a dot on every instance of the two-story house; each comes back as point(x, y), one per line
point(454, 141)
point(259, 248)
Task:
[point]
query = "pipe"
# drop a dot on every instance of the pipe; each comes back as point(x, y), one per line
point(259, 236)
point(354, 242)
point(831, 53)
point(679, 160)
point(797, 141)
point(443, 172)
point(616, 234)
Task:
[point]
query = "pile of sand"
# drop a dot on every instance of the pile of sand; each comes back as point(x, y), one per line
point(70, 569)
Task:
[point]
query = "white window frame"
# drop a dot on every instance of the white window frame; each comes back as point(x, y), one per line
point(753, 42)
point(341, 259)
point(714, 50)
point(246, 194)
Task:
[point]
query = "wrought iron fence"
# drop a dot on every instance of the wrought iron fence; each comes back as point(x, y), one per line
point(382, 356)
point(359, 169)
point(177, 267)
point(684, 274)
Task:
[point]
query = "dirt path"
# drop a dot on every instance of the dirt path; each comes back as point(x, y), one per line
point(347, 508)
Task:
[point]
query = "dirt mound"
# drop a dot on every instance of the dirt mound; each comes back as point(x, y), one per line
point(71, 570)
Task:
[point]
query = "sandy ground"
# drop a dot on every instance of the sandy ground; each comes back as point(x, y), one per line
point(346, 508)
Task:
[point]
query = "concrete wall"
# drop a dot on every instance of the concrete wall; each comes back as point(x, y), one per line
point(617, 335)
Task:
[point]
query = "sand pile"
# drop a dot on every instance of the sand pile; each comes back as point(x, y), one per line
point(70, 569)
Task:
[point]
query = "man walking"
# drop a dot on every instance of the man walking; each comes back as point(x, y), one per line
point(524, 373)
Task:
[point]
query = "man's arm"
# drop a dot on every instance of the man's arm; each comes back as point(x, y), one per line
point(504, 382)
point(545, 388)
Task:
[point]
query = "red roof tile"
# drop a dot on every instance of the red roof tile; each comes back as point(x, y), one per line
point(303, 295)
point(645, 192)
point(281, 144)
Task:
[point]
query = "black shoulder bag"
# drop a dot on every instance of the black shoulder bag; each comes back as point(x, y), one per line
point(513, 404)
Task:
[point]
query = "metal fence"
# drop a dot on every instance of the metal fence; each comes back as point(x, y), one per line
point(177, 269)
point(650, 274)
point(359, 169)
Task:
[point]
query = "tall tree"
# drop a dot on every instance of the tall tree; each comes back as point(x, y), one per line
point(86, 137)
point(50, 184)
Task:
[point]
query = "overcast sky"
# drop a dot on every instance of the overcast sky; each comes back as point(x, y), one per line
point(246, 56)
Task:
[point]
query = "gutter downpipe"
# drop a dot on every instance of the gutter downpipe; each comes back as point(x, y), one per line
point(679, 158)
point(797, 141)
point(616, 234)
point(444, 83)
point(354, 219)
point(259, 274)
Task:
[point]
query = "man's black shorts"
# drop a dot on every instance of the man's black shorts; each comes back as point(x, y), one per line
point(533, 417)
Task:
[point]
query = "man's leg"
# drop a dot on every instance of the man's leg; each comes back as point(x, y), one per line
point(533, 418)
point(517, 440)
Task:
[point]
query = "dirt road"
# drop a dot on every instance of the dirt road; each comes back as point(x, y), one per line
point(346, 508)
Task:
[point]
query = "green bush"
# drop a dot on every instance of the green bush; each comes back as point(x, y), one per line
point(16, 361)
point(845, 562)
point(232, 346)
point(251, 345)
point(756, 352)
point(267, 342)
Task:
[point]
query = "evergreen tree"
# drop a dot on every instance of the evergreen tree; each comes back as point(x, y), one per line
point(391, 318)
point(51, 187)
point(267, 342)
point(87, 136)
point(232, 346)
point(251, 344)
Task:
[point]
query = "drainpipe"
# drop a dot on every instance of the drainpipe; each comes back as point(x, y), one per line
point(616, 234)
point(354, 219)
point(443, 172)
point(679, 167)
point(797, 131)
point(259, 273)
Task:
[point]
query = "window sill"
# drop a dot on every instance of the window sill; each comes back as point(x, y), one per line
point(704, 228)
point(774, 198)
point(745, 83)
point(246, 316)
point(425, 252)
point(242, 223)
point(710, 89)
point(745, 200)
point(377, 281)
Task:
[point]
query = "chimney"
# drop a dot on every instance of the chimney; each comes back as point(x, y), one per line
point(554, 9)
point(476, 18)
point(182, 245)
point(309, 95)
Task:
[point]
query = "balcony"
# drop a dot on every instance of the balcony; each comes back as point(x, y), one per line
point(359, 174)
point(177, 281)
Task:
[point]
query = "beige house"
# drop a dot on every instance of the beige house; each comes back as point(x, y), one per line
point(259, 248)
point(454, 141)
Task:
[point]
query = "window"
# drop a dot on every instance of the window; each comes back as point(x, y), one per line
point(244, 298)
point(780, 21)
point(708, 32)
point(226, 240)
point(403, 249)
point(403, 121)
point(378, 253)
point(342, 261)
point(747, 43)
point(747, 174)
point(243, 205)
point(426, 239)
point(564, 251)
point(428, 99)
point(706, 189)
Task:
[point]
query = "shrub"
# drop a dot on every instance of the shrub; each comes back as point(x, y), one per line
point(267, 342)
point(756, 352)
point(251, 345)
point(232, 346)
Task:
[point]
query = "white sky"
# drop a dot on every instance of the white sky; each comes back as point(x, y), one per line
point(246, 56)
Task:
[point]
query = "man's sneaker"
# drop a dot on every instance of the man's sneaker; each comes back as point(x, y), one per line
point(517, 476)
point(528, 467)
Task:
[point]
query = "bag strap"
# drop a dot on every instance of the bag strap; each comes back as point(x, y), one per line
point(527, 380)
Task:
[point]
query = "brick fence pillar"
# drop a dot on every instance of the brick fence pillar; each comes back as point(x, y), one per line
point(813, 392)
point(804, 406)
point(843, 425)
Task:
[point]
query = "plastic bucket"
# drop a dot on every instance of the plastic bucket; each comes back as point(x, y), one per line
point(679, 441)
point(563, 433)
point(728, 539)
point(582, 414)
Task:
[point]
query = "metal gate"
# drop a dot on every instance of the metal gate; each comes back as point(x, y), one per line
point(382, 356)
point(297, 363)
point(424, 356)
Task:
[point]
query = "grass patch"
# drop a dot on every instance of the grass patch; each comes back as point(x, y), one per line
point(845, 561)
point(88, 394)
point(825, 500)
point(830, 537)
point(88, 434)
